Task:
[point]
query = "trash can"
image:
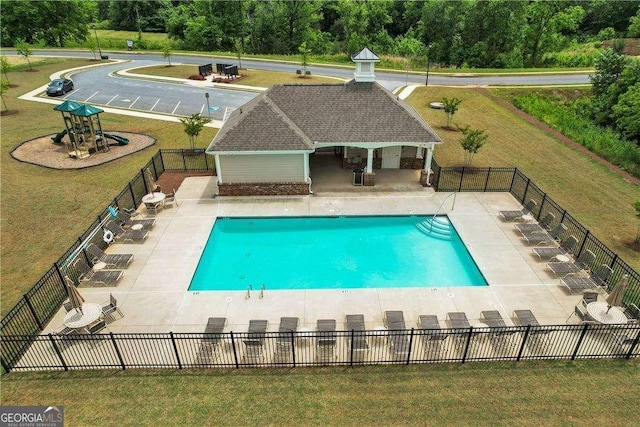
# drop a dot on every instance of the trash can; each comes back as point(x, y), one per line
point(358, 176)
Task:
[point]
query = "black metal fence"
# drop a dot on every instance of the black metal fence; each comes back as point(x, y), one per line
point(522, 188)
point(235, 350)
point(21, 326)
point(36, 308)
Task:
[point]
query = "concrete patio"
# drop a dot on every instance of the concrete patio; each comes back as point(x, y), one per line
point(153, 293)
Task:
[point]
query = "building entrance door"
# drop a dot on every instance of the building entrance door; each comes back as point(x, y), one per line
point(391, 157)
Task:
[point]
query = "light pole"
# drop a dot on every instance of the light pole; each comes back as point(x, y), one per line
point(426, 83)
point(206, 95)
point(98, 42)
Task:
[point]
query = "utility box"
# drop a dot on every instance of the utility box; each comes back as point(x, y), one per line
point(358, 176)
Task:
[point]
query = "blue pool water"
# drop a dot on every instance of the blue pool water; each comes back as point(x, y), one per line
point(329, 253)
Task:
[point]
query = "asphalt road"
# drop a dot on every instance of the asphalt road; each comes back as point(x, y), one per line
point(100, 86)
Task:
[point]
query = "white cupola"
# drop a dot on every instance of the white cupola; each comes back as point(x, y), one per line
point(364, 65)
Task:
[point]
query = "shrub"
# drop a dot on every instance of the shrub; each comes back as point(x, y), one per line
point(196, 77)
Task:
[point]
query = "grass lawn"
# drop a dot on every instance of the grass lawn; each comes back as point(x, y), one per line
point(249, 77)
point(44, 210)
point(590, 392)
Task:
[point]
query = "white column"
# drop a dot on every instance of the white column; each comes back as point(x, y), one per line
point(370, 160)
point(218, 169)
point(344, 152)
point(427, 163)
point(306, 167)
point(419, 152)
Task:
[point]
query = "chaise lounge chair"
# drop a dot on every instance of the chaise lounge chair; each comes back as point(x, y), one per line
point(545, 225)
point(501, 336)
point(567, 246)
point(460, 324)
point(126, 236)
point(359, 344)
point(96, 278)
point(517, 215)
point(255, 341)
point(525, 318)
point(397, 330)
point(284, 341)
point(210, 340)
point(112, 260)
point(536, 238)
point(432, 338)
point(130, 219)
point(326, 340)
point(493, 319)
point(597, 279)
point(583, 263)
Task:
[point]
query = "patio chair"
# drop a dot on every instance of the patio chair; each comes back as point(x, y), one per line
point(284, 340)
point(432, 338)
point(171, 198)
point(326, 340)
point(597, 279)
point(126, 236)
point(583, 263)
point(65, 337)
point(517, 215)
point(67, 306)
point(545, 225)
point(132, 218)
point(109, 308)
point(545, 238)
point(359, 344)
point(112, 260)
point(632, 313)
point(255, 341)
point(97, 327)
point(96, 278)
point(525, 318)
point(567, 246)
point(213, 331)
point(397, 332)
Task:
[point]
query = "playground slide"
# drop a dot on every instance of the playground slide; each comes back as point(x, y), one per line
point(58, 138)
point(120, 140)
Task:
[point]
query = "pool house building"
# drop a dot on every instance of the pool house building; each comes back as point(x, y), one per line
point(266, 145)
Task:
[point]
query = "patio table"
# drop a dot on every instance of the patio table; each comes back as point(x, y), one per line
point(81, 319)
point(598, 312)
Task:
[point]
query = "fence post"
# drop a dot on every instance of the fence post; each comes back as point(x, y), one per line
point(184, 160)
point(582, 334)
point(33, 311)
point(524, 194)
point(175, 348)
point(58, 352)
point(235, 352)
point(513, 180)
point(62, 281)
point(410, 345)
point(486, 182)
point(461, 179)
point(133, 196)
point(144, 181)
point(155, 171)
point(544, 199)
point(466, 345)
point(584, 242)
point(293, 348)
point(6, 367)
point(351, 349)
point(524, 341)
point(633, 346)
point(115, 346)
point(206, 162)
point(613, 261)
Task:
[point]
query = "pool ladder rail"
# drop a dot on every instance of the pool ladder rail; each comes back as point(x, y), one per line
point(434, 226)
point(250, 288)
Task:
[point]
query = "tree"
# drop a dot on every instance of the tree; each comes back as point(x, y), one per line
point(4, 86)
point(23, 49)
point(627, 113)
point(6, 67)
point(167, 51)
point(451, 106)
point(636, 205)
point(193, 125)
point(92, 46)
point(239, 45)
point(304, 51)
point(471, 142)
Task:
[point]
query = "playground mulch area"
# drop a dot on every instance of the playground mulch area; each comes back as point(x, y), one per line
point(43, 152)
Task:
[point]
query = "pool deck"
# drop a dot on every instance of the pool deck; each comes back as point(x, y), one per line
point(153, 293)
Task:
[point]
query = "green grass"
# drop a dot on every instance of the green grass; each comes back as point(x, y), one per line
point(594, 392)
point(249, 77)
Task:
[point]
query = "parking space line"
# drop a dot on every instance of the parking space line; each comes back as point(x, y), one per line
point(133, 102)
point(91, 96)
point(202, 109)
point(174, 110)
point(114, 97)
point(154, 105)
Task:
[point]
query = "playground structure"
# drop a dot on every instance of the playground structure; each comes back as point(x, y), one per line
point(84, 130)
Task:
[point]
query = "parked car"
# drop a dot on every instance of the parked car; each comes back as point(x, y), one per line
point(59, 87)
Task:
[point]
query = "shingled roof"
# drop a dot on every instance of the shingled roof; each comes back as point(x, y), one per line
point(292, 117)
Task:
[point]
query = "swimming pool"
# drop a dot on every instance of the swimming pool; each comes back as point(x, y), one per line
point(331, 252)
